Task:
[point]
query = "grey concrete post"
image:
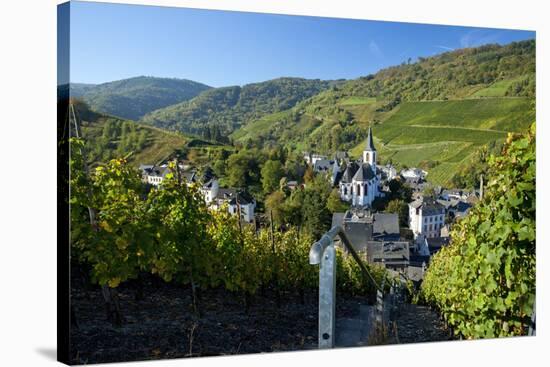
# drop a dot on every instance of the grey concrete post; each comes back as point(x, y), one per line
point(327, 297)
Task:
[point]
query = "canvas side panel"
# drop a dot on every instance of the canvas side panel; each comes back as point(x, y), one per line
point(63, 133)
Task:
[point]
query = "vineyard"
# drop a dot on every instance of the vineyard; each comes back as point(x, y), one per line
point(121, 230)
point(484, 281)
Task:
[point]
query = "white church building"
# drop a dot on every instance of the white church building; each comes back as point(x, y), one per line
point(360, 180)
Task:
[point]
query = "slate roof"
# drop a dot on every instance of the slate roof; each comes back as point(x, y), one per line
point(416, 204)
point(154, 171)
point(189, 176)
point(323, 165)
point(446, 203)
point(417, 260)
point(358, 233)
point(462, 206)
point(361, 227)
point(455, 192)
point(207, 176)
point(143, 167)
point(225, 194)
point(208, 184)
point(349, 173)
point(386, 224)
point(394, 253)
point(429, 207)
point(230, 195)
point(364, 173)
point(243, 199)
point(370, 143)
point(436, 243)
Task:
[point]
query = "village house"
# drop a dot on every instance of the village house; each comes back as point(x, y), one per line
point(341, 156)
point(213, 195)
point(392, 255)
point(152, 174)
point(292, 185)
point(361, 226)
point(236, 202)
point(455, 208)
point(155, 174)
point(323, 165)
point(388, 172)
point(426, 218)
point(435, 244)
point(209, 190)
point(311, 159)
point(414, 174)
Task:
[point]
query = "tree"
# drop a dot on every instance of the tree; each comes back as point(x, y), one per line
point(309, 175)
point(469, 176)
point(274, 204)
point(293, 207)
point(283, 182)
point(243, 168)
point(484, 282)
point(334, 203)
point(429, 192)
point(400, 190)
point(193, 155)
point(401, 208)
point(219, 167)
point(315, 214)
point(272, 172)
point(294, 168)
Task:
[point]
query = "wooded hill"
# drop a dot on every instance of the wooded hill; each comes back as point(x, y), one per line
point(217, 112)
point(109, 137)
point(133, 98)
point(433, 113)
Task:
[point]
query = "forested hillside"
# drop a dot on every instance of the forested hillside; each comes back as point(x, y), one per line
point(109, 137)
point(434, 113)
point(218, 112)
point(132, 98)
point(456, 74)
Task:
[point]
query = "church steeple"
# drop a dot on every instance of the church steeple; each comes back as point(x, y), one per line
point(370, 143)
point(369, 154)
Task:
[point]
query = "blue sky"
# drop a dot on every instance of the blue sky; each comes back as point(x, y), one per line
point(220, 48)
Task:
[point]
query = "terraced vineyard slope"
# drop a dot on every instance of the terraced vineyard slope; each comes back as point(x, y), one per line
point(433, 113)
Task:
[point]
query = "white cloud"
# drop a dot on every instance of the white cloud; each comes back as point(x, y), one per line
point(478, 37)
point(375, 50)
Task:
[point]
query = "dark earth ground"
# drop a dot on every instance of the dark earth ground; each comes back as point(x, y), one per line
point(163, 325)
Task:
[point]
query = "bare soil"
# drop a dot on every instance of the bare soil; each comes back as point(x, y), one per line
point(162, 323)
